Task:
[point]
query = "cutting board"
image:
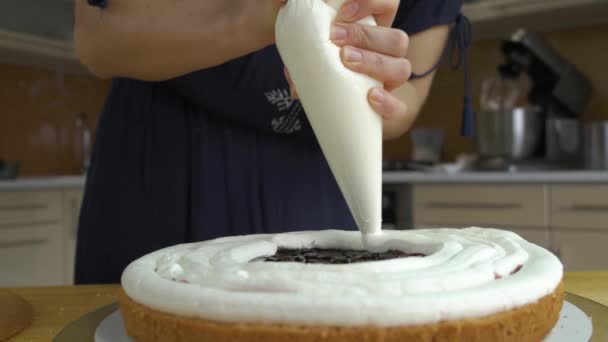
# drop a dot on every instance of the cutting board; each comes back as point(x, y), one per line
point(16, 314)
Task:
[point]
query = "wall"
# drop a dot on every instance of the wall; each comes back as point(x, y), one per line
point(584, 47)
point(38, 118)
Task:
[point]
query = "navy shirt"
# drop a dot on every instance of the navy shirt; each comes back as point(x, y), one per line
point(222, 151)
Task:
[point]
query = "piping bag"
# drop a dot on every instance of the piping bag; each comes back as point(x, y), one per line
point(335, 100)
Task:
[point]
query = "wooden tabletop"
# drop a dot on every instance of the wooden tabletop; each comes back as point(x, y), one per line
point(55, 307)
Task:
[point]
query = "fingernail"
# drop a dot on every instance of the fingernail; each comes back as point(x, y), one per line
point(349, 10)
point(338, 32)
point(352, 55)
point(377, 96)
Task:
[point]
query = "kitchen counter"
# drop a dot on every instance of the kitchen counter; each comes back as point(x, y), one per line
point(57, 306)
point(390, 177)
point(42, 183)
point(530, 177)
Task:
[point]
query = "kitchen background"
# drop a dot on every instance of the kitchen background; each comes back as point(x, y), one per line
point(50, 104)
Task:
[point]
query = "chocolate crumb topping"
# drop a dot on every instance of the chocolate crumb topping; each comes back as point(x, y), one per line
point(333, 256)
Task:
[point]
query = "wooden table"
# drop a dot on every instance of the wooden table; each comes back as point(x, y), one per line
point(55, 307)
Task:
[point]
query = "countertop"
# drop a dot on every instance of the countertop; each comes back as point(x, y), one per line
point(389, 177)
point(529, 177)
point(55, 307)
point(42, 183)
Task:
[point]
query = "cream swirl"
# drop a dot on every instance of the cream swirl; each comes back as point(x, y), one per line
point(465, 273)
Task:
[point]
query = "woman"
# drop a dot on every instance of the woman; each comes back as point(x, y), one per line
point(200, 137)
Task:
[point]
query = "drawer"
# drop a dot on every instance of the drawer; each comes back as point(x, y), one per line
point(579, 206)
point(481, 205)
point(581, 250)
point(24, 207)
point(31, 256)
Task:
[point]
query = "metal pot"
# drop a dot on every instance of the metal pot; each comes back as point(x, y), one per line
point(513, 134)
point(595, 142)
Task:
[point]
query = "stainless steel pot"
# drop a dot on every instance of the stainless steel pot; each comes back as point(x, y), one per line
point(595, 143)
point(513, 134)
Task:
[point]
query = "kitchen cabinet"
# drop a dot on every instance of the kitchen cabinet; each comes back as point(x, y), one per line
point(31, 255)
point(38, 237)
point(580, 206)
point(499, 18)
point(571, 220)
point(581, 250)
point(22, 208)
point(38, 33)
point(470, 205)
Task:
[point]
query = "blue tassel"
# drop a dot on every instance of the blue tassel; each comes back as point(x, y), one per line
point(468, 128)
point(98, 3)
point(459, 44)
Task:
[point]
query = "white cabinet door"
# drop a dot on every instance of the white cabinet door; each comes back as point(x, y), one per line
point(72, 203)
point(30, 207)
point(38, 33)
point(480, 205)
point(581, 250)
point(579, 206)
point(31, 256)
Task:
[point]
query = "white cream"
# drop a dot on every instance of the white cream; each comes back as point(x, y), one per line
point(336, 103)
point(455, 280)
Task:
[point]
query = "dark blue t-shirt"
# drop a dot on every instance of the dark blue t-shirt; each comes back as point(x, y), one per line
point(222, 151)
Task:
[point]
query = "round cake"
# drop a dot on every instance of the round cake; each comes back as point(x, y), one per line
point(435, 285)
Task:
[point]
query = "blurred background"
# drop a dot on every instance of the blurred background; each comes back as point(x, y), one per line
point(538, 166)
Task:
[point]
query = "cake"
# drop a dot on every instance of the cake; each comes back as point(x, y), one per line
point(435, 285)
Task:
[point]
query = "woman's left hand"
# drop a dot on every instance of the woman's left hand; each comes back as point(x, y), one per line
point(377, 51)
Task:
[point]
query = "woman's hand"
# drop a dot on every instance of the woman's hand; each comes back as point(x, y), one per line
point(377, 51)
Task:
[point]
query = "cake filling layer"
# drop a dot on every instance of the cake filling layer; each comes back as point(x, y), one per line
point(464, 273)
point(333, 256)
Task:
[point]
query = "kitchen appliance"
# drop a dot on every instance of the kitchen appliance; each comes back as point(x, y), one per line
point(427, 144)
point(563, 137)
point(543, 130)
point(513, 134)
point(557, 86)
point(595, 142)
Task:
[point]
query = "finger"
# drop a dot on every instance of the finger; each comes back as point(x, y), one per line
point(387, 41)
point(383, 10)
point(392, 71)
point(292, 88)
point(386, 104)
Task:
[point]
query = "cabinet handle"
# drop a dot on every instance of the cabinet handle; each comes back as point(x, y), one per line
point(473, 205)
point(21, 243)
point(587, 208)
